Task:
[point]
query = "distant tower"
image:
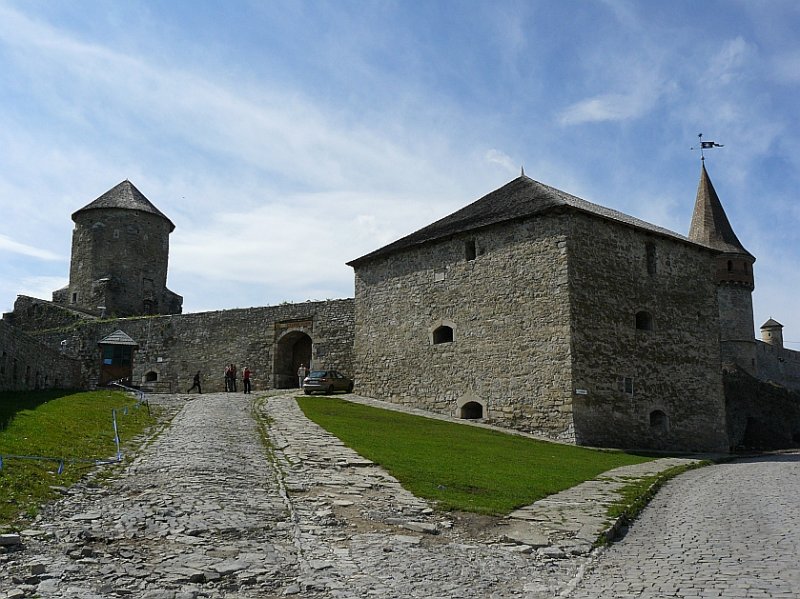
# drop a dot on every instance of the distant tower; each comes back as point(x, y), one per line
point(734, 276)
point(772, 333)
point(120, 250)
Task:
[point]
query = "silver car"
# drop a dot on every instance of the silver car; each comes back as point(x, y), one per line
point(326, 381)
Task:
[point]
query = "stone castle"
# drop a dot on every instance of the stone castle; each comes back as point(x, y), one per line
point(529, 308)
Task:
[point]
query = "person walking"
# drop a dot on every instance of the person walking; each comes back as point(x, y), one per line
point(227, 377)
point(301, 374)
point(246, 379)
point(233, 377)
point(195, 383)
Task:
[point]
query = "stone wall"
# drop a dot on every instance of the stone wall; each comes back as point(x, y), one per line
point(172, 348)
point(25, 364)
point(508, 310)
point(645, 340)
point(34, 314)
point(736, 337)
point(761, 415)
point(778, 365)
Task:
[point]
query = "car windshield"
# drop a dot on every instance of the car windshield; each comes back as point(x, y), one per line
point(318, 374)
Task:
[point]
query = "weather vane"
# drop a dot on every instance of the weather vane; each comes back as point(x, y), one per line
point(706, 145)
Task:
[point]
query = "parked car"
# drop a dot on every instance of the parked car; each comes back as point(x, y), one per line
point(326, 381)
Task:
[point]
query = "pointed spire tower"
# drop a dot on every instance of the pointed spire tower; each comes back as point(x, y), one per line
point(733, 274)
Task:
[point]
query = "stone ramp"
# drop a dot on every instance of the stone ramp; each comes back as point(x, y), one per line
point(570, 522)
point(566, 523)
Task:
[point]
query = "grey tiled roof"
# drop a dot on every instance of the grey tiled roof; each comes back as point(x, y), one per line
point(771, 323)
point(126, 196)
point(117, 338)
point(522, 197)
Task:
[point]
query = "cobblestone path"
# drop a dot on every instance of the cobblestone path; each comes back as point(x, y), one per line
point(207, 510)
point(731, 530)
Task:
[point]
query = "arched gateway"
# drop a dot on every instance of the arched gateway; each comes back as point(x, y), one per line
point(292, 349)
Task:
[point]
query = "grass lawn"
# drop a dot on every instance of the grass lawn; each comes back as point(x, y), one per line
point(461, 467)
point(66, 425)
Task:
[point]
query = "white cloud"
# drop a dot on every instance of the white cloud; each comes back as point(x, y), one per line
point(728, 64)
point(298, 247)
point(504, 160)
point(606, 107)
point(636, 88)
point(9, 245)
point(273, 129)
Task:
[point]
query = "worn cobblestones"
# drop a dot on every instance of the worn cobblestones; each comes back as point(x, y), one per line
point(208, 509)
point(731, 530)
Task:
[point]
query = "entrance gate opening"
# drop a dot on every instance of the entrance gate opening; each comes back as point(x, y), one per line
point(293, 349)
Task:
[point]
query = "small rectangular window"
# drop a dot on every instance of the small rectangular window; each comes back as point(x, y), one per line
point(650, 250)
point(625, 385)
point(470, 249)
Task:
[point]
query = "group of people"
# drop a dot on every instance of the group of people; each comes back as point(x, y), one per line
point(230, 378)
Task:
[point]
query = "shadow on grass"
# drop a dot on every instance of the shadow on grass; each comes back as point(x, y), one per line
point(13, 402)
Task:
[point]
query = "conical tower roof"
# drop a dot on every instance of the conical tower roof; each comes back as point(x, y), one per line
point(125, 196)
point(710, 225)
point(772, 324)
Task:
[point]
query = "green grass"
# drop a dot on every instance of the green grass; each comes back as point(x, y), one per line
point(60, 424)
point(461, 467)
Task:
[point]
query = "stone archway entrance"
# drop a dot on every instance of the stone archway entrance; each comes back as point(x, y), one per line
point(292, 349)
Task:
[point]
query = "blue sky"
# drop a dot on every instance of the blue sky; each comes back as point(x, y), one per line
point(286, 138)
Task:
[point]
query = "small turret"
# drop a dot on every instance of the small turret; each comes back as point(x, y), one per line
point(733, 274)
point(772, 333)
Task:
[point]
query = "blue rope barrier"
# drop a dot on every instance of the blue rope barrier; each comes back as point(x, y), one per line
point(141, 399)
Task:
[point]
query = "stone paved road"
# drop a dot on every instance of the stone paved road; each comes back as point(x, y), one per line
point(730, 530)
point(206, 510)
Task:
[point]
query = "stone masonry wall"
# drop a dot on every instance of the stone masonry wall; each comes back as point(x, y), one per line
point(659, 385)
point(25, 364)
point(172, 348)
point(736, 326)
point(33, 314)
point(509, 312)
point(778, 365)
point(761, 415)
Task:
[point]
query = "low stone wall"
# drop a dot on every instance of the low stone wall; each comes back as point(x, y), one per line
point(26, 365)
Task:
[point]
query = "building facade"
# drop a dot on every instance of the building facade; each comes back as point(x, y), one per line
point(542, 312)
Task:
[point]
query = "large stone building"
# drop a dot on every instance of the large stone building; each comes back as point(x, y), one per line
point(541, 310)
point(529, 308)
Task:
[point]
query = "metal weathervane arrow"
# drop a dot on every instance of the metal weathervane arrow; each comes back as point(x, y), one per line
point(706, 145)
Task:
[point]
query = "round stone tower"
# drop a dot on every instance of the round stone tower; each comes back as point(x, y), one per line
point(120, 250)
point(733, 274)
